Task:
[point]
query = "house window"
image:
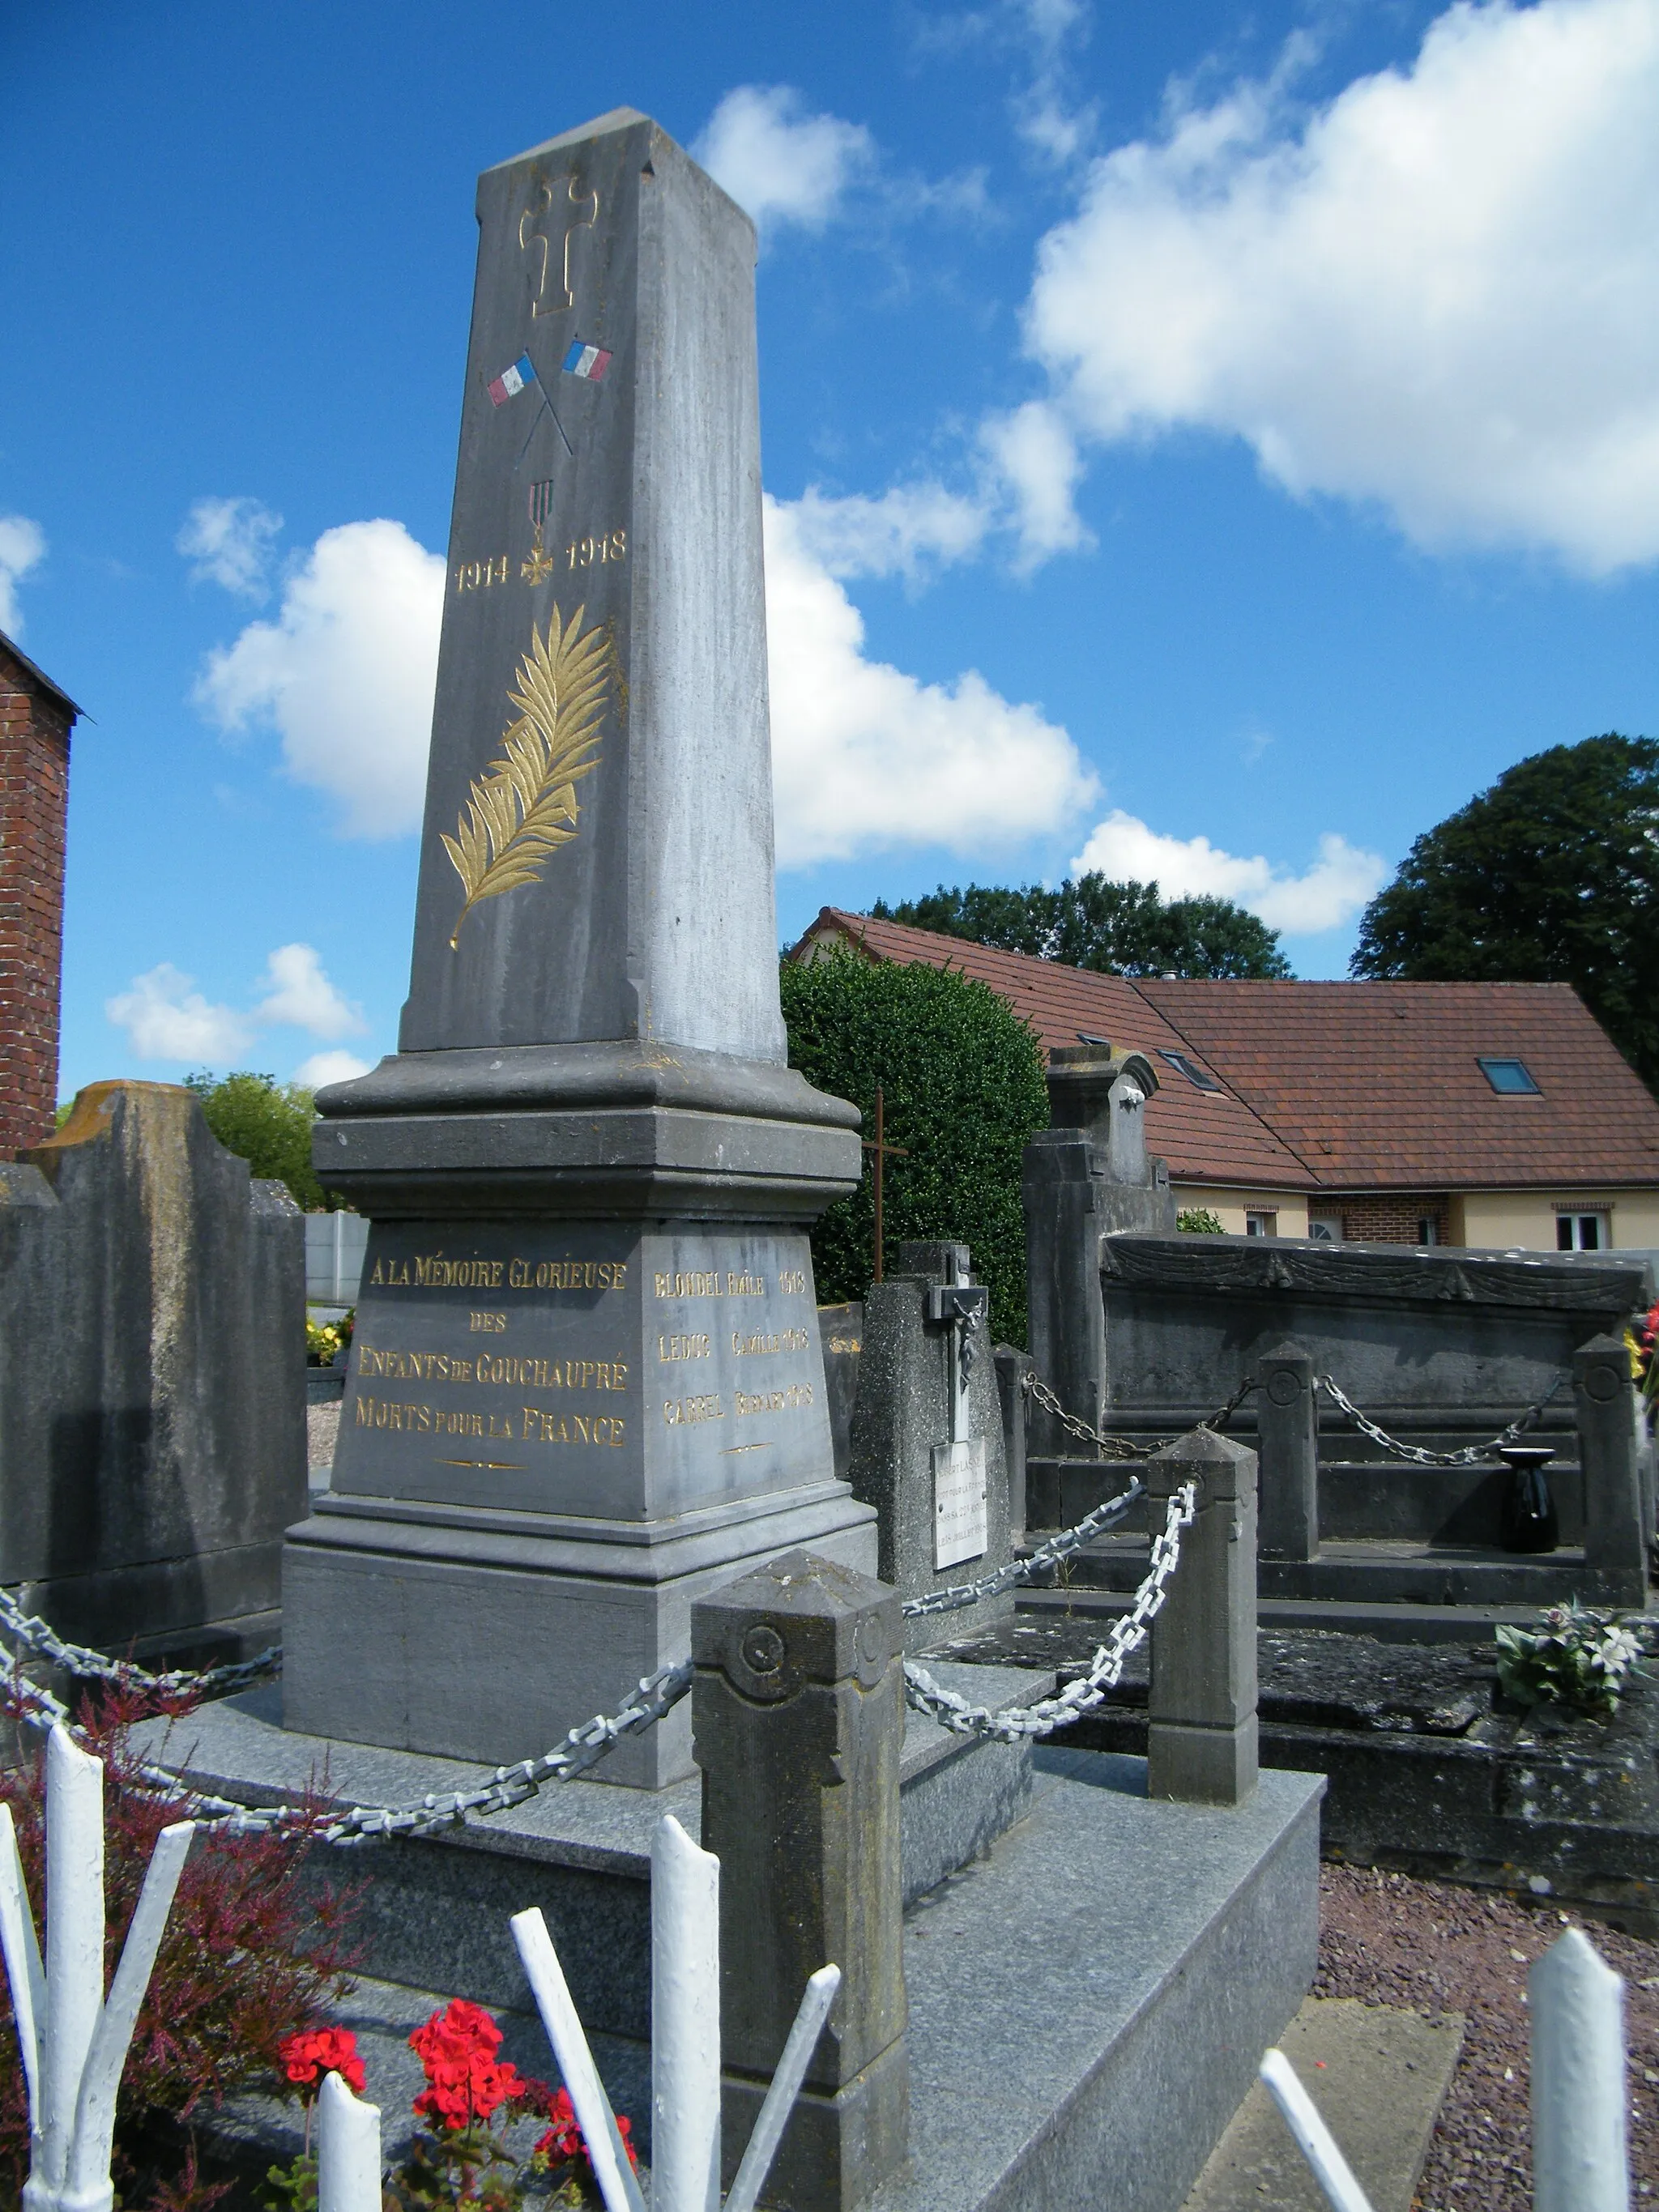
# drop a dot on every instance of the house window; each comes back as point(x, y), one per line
point(1510, 1078)
point(1261, 1224)
point(1428, 1229)
point(1200, 1078)
point(1325, 1228)
point(1581, 1232)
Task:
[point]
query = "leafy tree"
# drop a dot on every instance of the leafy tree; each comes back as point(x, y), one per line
point(963, 1093)
point(1121, 929)
point(1550, 877)
point(268, 1125)
point(1199, 1221)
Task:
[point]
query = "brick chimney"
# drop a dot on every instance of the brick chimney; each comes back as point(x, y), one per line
point(35, 721)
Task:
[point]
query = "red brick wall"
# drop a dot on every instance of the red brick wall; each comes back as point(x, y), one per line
point(34, 745)
point(1387, 1217)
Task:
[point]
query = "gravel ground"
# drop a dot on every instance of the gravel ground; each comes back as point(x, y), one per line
point(322, 1427)
point(1432, 1948)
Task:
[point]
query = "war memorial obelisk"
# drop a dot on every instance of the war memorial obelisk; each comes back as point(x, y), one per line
point(586, 1385)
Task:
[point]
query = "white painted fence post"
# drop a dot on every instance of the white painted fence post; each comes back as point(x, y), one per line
point(348, 2150)
point(1313, 2138)
point(75, 2043)
point(1580, 2158)
point(685, 2063)
point(685, 2023)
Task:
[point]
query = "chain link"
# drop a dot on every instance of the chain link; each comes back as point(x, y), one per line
point(38, 1636)
point(1419, 1455)
point(1015, 1723)
point(1047, 1555)
point(1123, 1448)
point(507, 1786)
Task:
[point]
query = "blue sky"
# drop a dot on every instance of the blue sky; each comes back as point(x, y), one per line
point(1205, 442)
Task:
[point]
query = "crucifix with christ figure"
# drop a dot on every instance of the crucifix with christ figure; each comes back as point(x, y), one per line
point(882, 1152)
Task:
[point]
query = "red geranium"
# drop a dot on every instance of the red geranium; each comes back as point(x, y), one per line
point(306, 2057)
point(565, 2141)
point(465, 2082)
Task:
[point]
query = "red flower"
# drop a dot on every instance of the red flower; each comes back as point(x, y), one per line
point(306, 2057)
point(465, 2082)
point(565, 2141)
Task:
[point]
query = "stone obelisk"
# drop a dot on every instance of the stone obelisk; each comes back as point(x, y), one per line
point(587, 1384)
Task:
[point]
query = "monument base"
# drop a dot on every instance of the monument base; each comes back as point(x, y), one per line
point(474, 1633)
point(585, 1388)
point(1094, 1985)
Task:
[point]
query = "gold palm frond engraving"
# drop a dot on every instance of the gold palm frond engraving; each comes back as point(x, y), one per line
point(525, 807)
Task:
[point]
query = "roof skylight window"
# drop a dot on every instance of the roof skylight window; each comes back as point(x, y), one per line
point(1199, 1077)
point(1510, 1078)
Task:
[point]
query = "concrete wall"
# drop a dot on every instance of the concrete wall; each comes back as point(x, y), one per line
point(1500, 1219)
point(1487, 1220)
point(1229, 1207)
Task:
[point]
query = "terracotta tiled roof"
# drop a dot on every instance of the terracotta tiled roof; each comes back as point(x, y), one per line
point(1206, 1136)
point(1378, 1084)
point(1338, 1086)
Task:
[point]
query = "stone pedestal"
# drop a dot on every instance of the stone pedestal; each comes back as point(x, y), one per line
point(799, 1702)
point(1202, 1742)
point(586, 1383)
point(1087, 1178)
point(1287, 1427)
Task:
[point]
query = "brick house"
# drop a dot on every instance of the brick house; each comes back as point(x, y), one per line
point(35, 721)
point(1477, 1114)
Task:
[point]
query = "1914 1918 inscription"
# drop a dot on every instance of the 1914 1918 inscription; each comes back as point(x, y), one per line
point(582, 1369)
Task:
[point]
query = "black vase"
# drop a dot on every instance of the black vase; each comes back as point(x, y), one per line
point(1530, 1520)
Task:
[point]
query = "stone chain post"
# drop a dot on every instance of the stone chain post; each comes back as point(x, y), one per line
point(1287, 1426)
point(1615, 1540)
point(1202, 1740)
point(798, 1720)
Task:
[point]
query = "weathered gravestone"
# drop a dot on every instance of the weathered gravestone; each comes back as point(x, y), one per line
point(152, 1383)
point(1087, 1176)
point(586, 1386)
point(928, 1448)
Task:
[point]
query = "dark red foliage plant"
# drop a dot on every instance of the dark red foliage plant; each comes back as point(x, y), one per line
point(253, 1954)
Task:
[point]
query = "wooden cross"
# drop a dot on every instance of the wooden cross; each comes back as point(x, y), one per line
point(883, 1150)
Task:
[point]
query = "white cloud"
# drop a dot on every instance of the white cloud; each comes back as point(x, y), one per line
point(864, 756)
point(901, 532)
point(227, 542)
point(1044, 115)
point(166, 1018)
point(22, 546)
point(325, 1067)
point(1440, 291)
point(778, 164)
point(1341, 881)
point(1036, 456)
point(345, 674)
point(301, 996)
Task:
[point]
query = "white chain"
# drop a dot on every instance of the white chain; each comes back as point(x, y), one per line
point(1021, 1570)
point(78, 1659)
point(1418, 1454)
point(507, 1786)
point(1014, 1722)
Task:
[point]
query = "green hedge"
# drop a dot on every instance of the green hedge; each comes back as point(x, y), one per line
point(963, 1091)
